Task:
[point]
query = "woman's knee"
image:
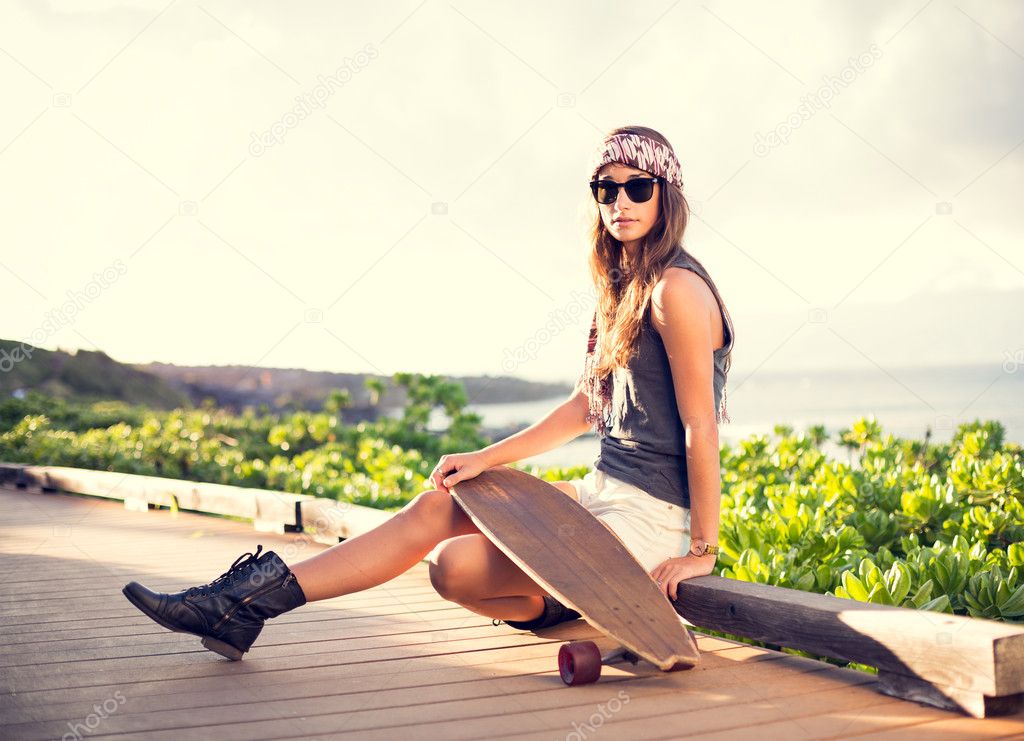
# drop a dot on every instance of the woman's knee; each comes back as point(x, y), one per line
point(567, 488)
point(430, 502)
point(437, 506)
point(456, 566)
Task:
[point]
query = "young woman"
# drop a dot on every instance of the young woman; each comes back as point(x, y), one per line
point(653, 386)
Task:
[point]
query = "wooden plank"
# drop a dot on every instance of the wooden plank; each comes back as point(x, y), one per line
point(223, 499)
point(971, 654)
point(833, 723)
point(973, 703)
point(415, 701)
point(270, 510)
point(264, 677)
point(11, 474)
point(956, 728)
point(108, 484)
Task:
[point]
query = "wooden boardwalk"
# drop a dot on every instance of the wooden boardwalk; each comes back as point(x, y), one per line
point(77, 660)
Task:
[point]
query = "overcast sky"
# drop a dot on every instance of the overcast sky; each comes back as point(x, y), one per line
point(347, 187)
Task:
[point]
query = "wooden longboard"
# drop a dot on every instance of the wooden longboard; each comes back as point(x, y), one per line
point(578, 560)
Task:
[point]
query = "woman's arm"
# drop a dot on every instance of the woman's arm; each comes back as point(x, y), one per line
point(681, 311)
point(559, 426)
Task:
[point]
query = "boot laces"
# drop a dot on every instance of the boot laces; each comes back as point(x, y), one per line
point(228, 577)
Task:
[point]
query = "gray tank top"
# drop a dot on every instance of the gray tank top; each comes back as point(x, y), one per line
point(645, 440)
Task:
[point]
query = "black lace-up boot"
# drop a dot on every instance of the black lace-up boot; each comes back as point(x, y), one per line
point(229, 612)
point(554, 613)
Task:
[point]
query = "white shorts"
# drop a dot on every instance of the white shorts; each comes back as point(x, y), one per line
point(653, 530)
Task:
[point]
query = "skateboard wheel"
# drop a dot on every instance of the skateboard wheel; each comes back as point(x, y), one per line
point(579, 662)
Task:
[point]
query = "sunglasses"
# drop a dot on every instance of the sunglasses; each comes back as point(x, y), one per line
point(637, 190)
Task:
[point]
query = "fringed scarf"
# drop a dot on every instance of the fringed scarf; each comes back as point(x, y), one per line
point(599, 391)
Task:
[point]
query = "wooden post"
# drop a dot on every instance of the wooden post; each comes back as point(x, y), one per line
point(950, 661)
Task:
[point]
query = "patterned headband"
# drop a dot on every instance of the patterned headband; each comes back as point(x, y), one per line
point(640, 152)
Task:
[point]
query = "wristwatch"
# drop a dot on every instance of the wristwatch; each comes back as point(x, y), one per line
point(700, 547)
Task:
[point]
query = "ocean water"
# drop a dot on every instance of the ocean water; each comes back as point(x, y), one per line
point(905, 401)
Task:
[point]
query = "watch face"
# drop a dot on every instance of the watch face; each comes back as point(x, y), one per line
point(701, 547)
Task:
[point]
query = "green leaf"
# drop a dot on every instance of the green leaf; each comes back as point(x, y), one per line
point(880, 595)
point(1015, 554)
point(1014, 604)
point(899, 584)
point(939, 604)
point(854, 586)
point(923, 593)
point(806, 581)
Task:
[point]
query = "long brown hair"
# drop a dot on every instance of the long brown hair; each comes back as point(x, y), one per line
point(623, 297)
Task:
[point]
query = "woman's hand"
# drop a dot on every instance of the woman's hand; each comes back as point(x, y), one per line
point(457, 467)
point(670, 572)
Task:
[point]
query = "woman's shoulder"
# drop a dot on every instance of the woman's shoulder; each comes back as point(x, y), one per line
point(682, 276)
point(683, 289)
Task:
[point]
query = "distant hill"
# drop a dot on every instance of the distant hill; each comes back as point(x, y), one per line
point(235, 386)
point(87, 375)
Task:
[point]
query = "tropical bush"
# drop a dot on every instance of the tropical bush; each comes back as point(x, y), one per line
point(930, 526)
point(380, 464)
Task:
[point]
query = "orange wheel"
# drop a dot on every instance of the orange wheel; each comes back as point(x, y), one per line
point(579, 662)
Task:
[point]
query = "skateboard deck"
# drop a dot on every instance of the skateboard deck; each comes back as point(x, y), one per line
point(579, 561)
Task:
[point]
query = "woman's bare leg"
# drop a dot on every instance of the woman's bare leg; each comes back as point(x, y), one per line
point(395, 546)
point(390, 549)
point(473, 572)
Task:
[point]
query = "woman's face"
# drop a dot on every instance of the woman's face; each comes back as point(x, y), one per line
point(625, 220)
